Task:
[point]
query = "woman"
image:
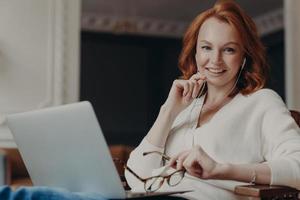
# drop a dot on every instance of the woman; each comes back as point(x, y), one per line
point(236, 130)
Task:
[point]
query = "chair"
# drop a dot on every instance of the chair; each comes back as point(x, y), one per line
point(267, 192)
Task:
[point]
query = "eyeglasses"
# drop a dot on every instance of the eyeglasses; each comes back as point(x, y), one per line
point(153, 183)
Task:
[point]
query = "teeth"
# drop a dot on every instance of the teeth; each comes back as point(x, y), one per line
point(215, 70)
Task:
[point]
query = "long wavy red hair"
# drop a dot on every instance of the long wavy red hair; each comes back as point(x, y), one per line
point(255, 72)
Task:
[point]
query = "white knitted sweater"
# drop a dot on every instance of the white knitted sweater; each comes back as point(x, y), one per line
point(249, 129)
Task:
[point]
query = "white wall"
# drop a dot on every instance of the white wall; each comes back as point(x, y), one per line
point(39, 56)
point(292, 53)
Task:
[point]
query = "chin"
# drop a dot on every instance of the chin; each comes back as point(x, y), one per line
point(217, 82)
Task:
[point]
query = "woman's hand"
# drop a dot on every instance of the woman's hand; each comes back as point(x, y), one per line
point(197, 163)
point(183, 92)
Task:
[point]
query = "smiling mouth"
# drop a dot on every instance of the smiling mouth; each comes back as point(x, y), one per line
point(215, 71)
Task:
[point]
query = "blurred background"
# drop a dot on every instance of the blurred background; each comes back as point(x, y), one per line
point(121, 55)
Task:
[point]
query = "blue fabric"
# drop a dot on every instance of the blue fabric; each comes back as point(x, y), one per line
point(44, 193)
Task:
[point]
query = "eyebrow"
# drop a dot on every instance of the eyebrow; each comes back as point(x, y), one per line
point(234, 43)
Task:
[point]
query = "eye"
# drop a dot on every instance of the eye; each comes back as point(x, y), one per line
point(206, 48)
point(229, 50)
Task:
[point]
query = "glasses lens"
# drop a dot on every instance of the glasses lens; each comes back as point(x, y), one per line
point(175, 178)
point(153, 184)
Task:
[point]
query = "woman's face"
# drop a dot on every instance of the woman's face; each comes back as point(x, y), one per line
point(219, 53)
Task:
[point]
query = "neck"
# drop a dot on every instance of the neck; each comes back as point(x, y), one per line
point(215, 95)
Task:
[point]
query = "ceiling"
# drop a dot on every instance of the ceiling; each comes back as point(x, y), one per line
point(168, 18)
point(173, 10)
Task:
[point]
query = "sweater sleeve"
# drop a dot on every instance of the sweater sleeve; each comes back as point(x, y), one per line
point(143, 165)
point(281, 145)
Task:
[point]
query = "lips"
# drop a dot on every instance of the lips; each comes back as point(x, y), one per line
point(215, 70)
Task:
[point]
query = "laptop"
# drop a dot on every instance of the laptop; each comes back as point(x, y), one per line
point(64, 147)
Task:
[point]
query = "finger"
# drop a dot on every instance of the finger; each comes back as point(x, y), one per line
point(198, 76)
point(190, 92)
point(201, 81)
point(195, 173)
point(192, 159)
point(196, 89)
point(192, 164)
point(179, 84)
point(173, 160)
point(179, 163)
point(188, 163)
point(181, 159)
point(193, 168)
point(185, 88)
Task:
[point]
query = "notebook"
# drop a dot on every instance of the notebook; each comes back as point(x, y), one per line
point(64, 146)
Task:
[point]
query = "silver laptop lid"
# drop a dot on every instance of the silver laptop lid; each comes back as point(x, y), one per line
point(64, 147)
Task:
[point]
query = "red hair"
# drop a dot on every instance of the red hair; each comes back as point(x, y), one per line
point(255, 72)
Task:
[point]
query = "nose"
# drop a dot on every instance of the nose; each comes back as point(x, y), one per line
point(216, 57)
